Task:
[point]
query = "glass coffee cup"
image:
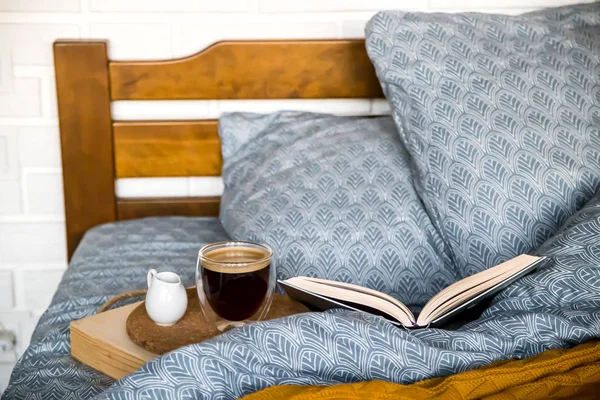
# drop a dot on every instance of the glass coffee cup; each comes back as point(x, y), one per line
point(235, 282)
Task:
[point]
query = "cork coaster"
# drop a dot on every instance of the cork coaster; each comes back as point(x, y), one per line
point(191, 328)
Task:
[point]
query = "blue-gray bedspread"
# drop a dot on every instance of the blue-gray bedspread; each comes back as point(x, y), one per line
point(111, 259)
point(554, 307)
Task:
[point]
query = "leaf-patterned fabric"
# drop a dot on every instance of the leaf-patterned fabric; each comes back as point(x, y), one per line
point(111, 259)
point(334, 198)
point(501, 115)
point(552, 308)
point(522, 130)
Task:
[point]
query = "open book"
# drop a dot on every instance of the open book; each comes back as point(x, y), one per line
point(324, 294)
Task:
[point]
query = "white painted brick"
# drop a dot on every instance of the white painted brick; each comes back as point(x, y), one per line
point(36, 71)
point(31, 44)
point(192, 38)
point(40, 287)
point(24, 101)
point(19, 286)
point(39, 5)
point(12, 321)
point(33, 265)
point(44, 192)
point(22, 218)
point(6, 74)
point(32, 242)
point(9, 168)
point(9, 357)
point(338, 5)
point(135, 41)
point(503, 7)
point(169, 5)
point(39, 147)
point(5, 371)
point(354, 29)
point(10, 197)
point(48, 97)
point(27, 326)
point(4, 154)
point(6, 290)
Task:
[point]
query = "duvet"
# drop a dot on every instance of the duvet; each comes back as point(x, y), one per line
point(555, 307)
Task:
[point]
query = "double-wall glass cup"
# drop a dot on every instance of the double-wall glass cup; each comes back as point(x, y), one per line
point(235, 282)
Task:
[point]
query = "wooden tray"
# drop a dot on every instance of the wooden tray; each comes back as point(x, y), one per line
point(192, 328)
point(101, 341)
point(104, 340)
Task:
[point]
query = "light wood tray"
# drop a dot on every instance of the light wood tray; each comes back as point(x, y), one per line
point(119, 341)
point(101, 341)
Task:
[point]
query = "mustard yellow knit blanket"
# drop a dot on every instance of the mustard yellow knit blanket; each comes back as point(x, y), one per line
point(566, 373)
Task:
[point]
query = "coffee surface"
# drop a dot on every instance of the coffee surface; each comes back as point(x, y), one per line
point(235, 281)
point(224, 259)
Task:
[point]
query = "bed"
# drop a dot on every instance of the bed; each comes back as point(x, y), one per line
point(112, 242)
point(96, 150)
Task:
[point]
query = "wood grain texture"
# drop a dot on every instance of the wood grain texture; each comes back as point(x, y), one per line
point(92, 158)
point(180, 206)
point(101, 341)
point(82, 87)
point(167, 148)
point(283, 69)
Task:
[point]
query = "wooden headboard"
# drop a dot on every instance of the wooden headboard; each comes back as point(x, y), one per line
point(97, 149)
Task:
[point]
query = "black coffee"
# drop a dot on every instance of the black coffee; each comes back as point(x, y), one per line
point(235, 292)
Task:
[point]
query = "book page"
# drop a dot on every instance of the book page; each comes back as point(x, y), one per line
point(352, 296)
point(467, 288)
point(461, 298)
point(364, 290)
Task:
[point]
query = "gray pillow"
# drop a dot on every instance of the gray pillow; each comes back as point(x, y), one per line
point(501, 117)
point(334, 198)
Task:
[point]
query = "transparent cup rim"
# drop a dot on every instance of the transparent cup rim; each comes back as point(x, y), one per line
point(235, 243)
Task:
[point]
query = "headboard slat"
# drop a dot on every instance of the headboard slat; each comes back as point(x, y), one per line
point(82, 89)
point(283, 69)
point(156, 207)
point(96, 150)
point(167, 148)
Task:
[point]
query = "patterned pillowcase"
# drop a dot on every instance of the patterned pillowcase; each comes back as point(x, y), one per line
point(334, 198)
point(501, 117)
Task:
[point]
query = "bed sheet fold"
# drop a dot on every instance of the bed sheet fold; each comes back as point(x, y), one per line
point(555, 307)
point(111, 259)
point(563, 373)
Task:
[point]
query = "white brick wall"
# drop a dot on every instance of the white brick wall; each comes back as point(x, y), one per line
point(170, 6)
point(303, 6)
point(39, 5)
point(32, 255)
point(7, 301)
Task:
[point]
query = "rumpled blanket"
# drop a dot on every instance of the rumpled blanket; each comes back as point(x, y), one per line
point(552, 308)
point(555, 307)
point(111, 259)
point(562, 373)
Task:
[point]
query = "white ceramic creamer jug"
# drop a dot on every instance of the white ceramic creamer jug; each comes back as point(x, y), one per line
point(166, 300)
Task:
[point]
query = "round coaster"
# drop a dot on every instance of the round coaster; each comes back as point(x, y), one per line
point(191, 328)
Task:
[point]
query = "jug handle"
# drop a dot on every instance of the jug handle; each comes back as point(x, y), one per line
point(150, 276)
